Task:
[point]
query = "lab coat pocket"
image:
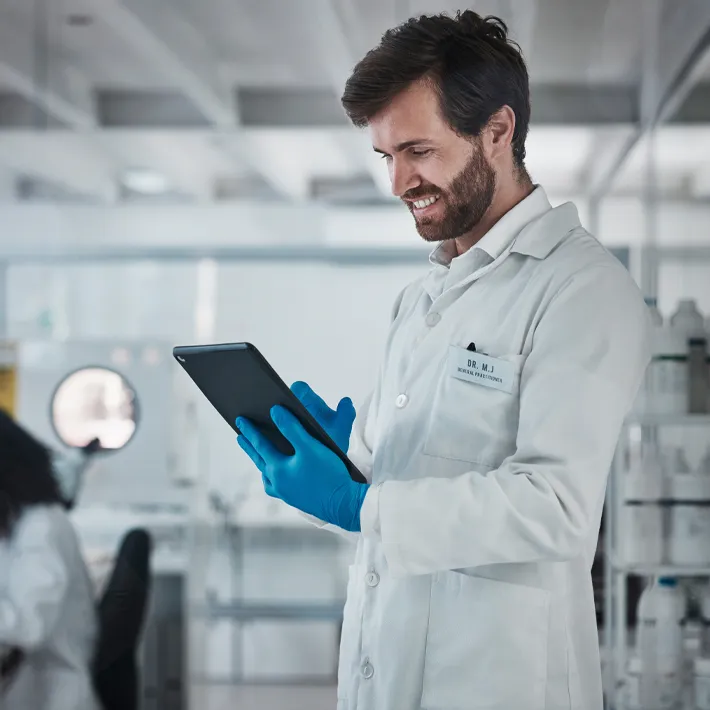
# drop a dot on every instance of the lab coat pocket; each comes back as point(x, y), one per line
point(350, 633)
point(472, 422)
point(486, 645)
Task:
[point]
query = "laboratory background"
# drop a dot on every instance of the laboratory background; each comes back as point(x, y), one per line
point(175, 172)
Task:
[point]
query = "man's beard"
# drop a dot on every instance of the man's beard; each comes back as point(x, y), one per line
point(465, 201)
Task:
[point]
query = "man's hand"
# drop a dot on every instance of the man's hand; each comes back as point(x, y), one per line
point(338, 423)
point(314, 479)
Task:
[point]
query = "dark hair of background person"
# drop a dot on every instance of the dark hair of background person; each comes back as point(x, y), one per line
point(26, 477)
point(474, 66)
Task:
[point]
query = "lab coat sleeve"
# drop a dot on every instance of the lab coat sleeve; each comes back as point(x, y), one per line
point(32, 597)
point(590, 350)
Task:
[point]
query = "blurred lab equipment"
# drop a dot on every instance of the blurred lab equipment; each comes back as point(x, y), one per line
point(643, 542)
point(660, 645)
point(678, 377)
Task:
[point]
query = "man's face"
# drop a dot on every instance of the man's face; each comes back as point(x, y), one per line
point(428, 161)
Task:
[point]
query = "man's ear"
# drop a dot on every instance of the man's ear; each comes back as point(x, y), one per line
point(498, 133)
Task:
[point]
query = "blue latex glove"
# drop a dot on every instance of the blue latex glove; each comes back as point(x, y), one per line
point(338, 424)
point(314, 479)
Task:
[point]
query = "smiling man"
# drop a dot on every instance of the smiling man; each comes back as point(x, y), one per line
point(488, 437)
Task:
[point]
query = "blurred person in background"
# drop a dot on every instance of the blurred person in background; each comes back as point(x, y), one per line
point(48, 619)
point(487, 442)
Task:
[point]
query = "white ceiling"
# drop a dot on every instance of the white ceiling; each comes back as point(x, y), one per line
point(202, 52)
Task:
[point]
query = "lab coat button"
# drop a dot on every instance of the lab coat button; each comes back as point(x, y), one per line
point(402, 401)
point(372, 579)
point(432, 319)
point(367, 670)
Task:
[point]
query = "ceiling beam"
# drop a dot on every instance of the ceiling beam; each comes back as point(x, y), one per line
point(167, 40)
point(44, 91)
point(339, 41)
point(553, 104)
point(578, 105)
point(64, 94)
point(681, 46)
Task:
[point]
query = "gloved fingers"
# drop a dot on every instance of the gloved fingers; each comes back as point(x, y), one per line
point(261, 445)
point(291, 428)
point(312, 402)
point(250, 451)
point(346, 409)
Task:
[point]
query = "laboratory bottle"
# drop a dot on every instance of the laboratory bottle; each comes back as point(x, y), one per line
point(688, 321)
point(668, 372)
point(643, 538)
point(701, 684)
point(660, 615)
point(689, 519)
point(674, 460)
point(646, 400)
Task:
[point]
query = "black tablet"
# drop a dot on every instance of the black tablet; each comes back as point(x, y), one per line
point(239, 382)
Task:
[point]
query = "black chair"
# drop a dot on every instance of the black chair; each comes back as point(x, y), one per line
point(11, 661)
point(122, 611)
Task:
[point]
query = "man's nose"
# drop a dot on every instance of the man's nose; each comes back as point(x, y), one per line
point(402, 177)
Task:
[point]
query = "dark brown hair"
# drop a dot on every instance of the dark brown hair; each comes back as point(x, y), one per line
point(26, 477)
point(474, 66)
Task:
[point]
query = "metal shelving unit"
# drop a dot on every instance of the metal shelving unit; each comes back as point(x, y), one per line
point(616, 570)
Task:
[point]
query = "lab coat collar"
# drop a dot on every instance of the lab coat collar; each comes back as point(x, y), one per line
point(532, 228)
point(542, 235)
point(500, 236)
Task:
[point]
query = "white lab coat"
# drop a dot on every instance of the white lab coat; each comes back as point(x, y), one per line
point(47, 609)
point(471, 586)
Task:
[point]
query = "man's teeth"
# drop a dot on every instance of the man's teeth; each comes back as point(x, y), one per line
point(421, 204)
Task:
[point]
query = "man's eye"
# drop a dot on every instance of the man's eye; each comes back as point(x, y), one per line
point(420, 153)
point(385, 157)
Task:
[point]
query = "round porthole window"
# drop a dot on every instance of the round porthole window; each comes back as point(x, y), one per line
point(95, 403)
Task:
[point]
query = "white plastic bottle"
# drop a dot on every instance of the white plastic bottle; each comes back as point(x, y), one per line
point(643, 535)
point(688, 319)
point(701, 683)
point(689, 519)
point(646, 401)
point(674, 460)
point(668, 372)
point(660, 644)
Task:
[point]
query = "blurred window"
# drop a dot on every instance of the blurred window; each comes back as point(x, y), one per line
point(95, 403)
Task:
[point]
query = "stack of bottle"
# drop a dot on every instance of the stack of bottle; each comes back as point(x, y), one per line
point(677, 381)
point(669, 668)
point(666, 509)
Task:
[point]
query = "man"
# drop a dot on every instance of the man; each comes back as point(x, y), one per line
point(508, 371)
